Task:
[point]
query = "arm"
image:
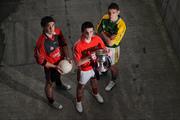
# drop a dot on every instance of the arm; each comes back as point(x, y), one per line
point(122, 28)
point(103, 47)
point(106, 37)
point(100, 30)
point(83, 61)
point(49, 65)
point(42, 56)
point(78, 57)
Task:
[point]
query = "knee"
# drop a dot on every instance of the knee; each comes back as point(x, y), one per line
point(80, 86)
point(93, 82)
point(80, 90)
point(49, 85)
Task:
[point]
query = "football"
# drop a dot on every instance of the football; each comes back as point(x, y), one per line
point(65, 66)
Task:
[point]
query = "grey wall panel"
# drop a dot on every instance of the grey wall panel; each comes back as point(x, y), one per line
point(22, 27)
point(169, 10)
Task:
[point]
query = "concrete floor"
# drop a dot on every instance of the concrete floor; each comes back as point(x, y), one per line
point(148, 83)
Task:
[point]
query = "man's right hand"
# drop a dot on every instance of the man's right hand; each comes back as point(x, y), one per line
point(58, 69)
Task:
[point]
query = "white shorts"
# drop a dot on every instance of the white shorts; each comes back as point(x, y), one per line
point(115, 54)
point(85, 76)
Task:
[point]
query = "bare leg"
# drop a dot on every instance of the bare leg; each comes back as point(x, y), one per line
point(79, 92)
point(114, 72)
point(94, 85)
point(49, 90)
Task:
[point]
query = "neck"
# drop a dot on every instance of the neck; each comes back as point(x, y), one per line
point(115, 19)
point(88, 40)
point(49, 35)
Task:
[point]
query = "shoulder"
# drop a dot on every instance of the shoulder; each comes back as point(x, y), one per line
point(77, 44)
point(97, 41)
point(120, 20)
point(58, 31)
point(40, 40)
point(96, 37)
point(106, 16)
point(104, 19)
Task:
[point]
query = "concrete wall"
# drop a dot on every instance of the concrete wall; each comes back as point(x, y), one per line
point(169, 10)
point(6, 7)
point(2, 45)
point(22, 27)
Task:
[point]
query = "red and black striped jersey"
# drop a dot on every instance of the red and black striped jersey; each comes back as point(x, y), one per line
point(50, 49)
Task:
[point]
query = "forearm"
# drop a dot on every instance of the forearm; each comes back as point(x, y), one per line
point(49, 65)
point(83, 61)
point(120, 34)
point(104, 36)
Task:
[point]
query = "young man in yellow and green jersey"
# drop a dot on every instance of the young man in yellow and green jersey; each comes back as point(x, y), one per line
point(111, 29)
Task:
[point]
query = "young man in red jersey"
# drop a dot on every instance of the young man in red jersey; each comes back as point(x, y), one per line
point(51, 48)
point(84, 55)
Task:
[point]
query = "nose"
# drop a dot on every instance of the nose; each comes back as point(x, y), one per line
point(51, 27)
point(110, 15)
point(87, 33)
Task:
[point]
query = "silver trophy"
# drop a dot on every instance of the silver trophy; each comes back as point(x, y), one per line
point(101, 59)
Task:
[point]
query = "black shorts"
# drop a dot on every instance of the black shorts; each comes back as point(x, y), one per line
point(52, 75)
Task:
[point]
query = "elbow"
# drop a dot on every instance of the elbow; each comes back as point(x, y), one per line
point(77, 63)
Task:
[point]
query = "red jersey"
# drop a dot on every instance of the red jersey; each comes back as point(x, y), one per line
point(83, 49)
point(50, 49)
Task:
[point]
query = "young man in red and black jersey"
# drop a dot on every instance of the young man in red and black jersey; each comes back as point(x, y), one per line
point(51, 48)
point(84, 55)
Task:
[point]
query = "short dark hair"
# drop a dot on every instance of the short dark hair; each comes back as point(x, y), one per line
point(45, 20)
point(113, 6)
point(86, 25)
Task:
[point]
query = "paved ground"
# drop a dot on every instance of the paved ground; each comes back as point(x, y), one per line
point(147, 88)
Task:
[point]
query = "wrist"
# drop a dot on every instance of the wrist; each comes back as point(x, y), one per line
point(67, 58)
point(89, 59)
point(54, 66)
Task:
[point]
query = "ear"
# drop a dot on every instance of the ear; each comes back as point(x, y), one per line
point(118, 12)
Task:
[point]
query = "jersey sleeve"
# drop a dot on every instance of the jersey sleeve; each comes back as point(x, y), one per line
point(41, 54)
point(101, 43)
point(77, 53)
point(99, 27)
point(120, 33)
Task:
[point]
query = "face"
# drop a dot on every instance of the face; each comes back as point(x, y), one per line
point(49, 28)
point(88, 33)
point(113, 14)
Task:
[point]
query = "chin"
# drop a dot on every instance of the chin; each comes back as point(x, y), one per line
point(112, 19)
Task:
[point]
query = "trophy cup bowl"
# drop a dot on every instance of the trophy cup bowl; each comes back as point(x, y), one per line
point(101, 59)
